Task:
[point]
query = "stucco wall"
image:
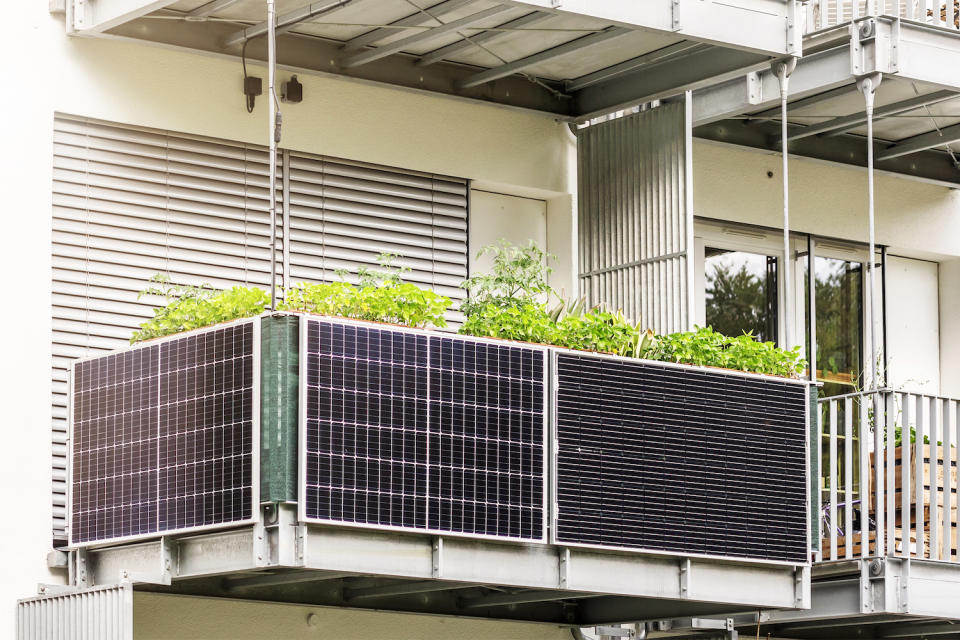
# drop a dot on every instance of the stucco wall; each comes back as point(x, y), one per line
point(210, 619)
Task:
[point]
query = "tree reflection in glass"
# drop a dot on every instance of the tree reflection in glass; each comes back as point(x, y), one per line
point(839, 297)
point(741, 293)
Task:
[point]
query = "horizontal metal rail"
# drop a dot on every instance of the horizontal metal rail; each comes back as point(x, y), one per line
point(823, 14)
point(889, 476)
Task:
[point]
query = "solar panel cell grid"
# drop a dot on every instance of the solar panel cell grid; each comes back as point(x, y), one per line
point(424, 432)
point(162, 436)
point(659, 458)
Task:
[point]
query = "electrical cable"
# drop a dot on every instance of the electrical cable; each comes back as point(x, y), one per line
point(243, 61)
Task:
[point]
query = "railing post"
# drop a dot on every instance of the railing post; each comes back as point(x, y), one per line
point(921, 411)
point(833, 480)
point(905, 472)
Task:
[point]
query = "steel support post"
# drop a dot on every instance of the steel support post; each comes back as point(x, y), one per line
point(782, 69)
point(274, 133)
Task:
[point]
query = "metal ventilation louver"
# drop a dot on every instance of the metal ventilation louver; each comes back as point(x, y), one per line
point(163, 436)
point(681, 460)
point(412, 430)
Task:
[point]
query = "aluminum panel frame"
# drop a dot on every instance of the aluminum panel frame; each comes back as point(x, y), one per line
point(553, 539)
point(302, 435)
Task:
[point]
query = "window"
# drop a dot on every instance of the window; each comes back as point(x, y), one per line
point(741, 293)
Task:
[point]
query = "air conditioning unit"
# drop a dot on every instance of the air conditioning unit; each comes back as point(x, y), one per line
point(366, 425)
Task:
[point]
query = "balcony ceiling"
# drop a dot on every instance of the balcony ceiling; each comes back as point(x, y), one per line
point(574, 63)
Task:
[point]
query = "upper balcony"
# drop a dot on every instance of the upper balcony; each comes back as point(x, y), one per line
point(912, 52)
point(573, 59)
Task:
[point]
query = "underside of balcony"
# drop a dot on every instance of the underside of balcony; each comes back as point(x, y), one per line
point(572, 59)
point(444, 575)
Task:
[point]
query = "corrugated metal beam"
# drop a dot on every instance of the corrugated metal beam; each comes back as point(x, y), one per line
point(429, 34)
point(560, 50)
point(647, 59)
point(839, 125)
point(413, 20)
point(939, 138)
point(481, 38)
point(210, 8)
point(286, 21)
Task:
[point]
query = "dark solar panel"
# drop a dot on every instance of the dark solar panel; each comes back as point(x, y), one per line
point(423, 432)
point(687, 461)
point(163, 436)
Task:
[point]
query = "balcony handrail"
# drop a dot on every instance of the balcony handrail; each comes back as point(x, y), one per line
point(881, 497)
point(825, 14)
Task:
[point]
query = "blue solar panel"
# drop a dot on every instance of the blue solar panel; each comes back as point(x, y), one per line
point(162, 436)
point(680, 460)
point(418, 431)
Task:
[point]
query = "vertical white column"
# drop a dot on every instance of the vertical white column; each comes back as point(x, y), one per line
point(689, 212)
point(783, 69)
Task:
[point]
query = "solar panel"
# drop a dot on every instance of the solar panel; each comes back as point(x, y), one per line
point(163, 436)
point(405, 429)
point(656, 457)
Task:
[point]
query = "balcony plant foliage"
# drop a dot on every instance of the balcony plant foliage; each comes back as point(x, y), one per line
point(189, 307)
point(380, 295)
point(513, 301)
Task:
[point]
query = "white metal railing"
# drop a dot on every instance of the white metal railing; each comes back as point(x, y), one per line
point(822, 14)
point(889, 476)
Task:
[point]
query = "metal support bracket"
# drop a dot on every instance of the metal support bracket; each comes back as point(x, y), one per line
point(905, 585)
point(874, 46)
point(754, 88)
point(798, 582)
point(55, 589)
point(685, 578)
point(437, 557)
point(675, 15)
point(83, 578)
point(164, 568)
point(564, 568)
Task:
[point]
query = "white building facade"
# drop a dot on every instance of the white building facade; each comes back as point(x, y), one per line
point(77, 99)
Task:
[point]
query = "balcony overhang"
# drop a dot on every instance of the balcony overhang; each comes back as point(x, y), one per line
point(873, 598)
point(331, 566)
point(917, 104)
point(573, 59)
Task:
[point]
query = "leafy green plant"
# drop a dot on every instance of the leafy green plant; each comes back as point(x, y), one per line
point(194, 307)
point(518, 277)
point(381, 296)
point(706, 347)
point(527, 322)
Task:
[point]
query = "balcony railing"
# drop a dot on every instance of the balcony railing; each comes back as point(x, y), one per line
point(889, 476)
point(822, 14)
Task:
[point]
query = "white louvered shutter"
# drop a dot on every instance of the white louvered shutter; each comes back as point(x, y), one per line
point(130, 202)
point(343, 214)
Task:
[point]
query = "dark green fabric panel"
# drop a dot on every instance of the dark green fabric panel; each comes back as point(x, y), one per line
point(814, 468)
point(279, 405)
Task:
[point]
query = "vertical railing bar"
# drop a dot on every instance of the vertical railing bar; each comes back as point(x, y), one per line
point(905, 496)
point(848, 476)
point(947, 432)
point(833, 479)
point(921, 412)
point(890, 422)
point(865, 493)
point(955, 465)
point(878, 475)
point(932, 488)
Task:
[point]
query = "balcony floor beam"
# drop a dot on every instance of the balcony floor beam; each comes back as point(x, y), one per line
point(932, 140)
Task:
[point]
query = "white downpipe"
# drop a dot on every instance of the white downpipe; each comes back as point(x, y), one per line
point(688, 206)
point(274, 130)
point(783, 69)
